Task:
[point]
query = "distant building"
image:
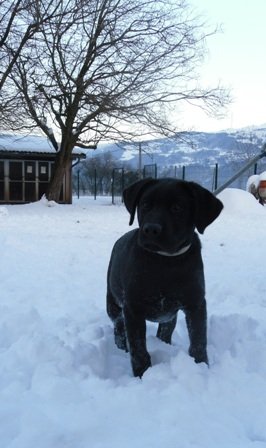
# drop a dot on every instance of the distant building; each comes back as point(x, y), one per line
point(26, 166)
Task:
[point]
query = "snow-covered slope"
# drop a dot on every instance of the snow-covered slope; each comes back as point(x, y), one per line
point(193, 148)
point(63, 382)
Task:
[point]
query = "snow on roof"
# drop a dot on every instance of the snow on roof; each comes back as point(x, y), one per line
point(27, 143)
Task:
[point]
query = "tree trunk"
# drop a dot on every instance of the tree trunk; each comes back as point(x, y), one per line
point(63, 158)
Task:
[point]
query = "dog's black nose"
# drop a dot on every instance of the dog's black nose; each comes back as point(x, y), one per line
point(152, 230)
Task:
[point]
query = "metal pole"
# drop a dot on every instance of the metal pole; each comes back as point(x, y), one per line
point(78, 184)
point(140, 161)
point(242, 170)
point(183, 172)
point(113, 186)
point(122, 182)
point(144, 171)
point(216, 176)
point(95, 184)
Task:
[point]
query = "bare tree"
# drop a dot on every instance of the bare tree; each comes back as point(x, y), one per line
point(109, 69)
point(20, 21)
point(98, 169)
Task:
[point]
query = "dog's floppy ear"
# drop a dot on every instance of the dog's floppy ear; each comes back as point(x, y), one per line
point(132, 194)
point(207, 206)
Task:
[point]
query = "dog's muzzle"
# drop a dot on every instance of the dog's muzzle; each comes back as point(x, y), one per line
point(152, 231)
point(151, 239)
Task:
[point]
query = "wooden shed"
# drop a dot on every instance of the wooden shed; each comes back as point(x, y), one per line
point(26, 166)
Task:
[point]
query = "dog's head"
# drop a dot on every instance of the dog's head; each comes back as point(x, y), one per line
point(168, 211)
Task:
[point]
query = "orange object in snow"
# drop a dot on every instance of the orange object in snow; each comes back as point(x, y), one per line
point(262, 189)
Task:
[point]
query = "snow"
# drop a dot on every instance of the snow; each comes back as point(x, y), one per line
point(28, 143)
point(252, 182)
point(63, 382)
point(262, 176)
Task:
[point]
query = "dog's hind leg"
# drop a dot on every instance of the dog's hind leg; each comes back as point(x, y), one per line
point(115, 313)
point(165, 330)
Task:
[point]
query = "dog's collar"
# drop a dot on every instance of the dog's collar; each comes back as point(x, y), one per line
point(175, 254)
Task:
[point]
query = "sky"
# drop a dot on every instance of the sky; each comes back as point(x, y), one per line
point(237, 58)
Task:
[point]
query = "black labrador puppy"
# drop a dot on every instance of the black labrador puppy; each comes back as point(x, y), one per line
point(157, 269)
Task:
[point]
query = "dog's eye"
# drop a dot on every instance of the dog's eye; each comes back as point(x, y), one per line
point(176, 208)
point(145, 205)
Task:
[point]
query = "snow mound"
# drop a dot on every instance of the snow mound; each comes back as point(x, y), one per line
point(252, 180)
point(3, 212)
point(239, 201)
point(262, 176)
point(46, 202)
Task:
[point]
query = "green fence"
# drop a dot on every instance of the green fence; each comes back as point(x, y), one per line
point(210, 177)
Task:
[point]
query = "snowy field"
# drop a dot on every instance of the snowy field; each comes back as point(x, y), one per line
point(63, 382)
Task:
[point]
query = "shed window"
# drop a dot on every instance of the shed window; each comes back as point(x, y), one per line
point(30, 191)
point(15, 191)
point(1, 170)
point(15, 170)
point(30, 171)
point(42, 189)
point(2, 190)
point(43, 171)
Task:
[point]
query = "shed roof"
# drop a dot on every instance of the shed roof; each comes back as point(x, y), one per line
point(19, 143)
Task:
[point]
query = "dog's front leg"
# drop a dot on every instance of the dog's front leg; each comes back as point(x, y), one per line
point(136, 338)
point(196, 320)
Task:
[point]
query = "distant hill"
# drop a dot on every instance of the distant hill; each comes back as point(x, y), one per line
point(194, 148)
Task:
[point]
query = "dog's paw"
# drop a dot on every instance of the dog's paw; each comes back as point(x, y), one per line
point(139, 366)
point(120, 334)
point(199, 355)
point(121, 342)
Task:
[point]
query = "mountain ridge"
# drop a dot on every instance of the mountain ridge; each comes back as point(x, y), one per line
point(195, 147)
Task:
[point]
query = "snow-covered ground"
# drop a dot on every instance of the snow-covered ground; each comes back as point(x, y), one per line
point(63, 382)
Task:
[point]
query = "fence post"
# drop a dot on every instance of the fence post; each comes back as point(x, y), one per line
point(215, 176)
point(95, 184)
point(78, 184)
point(122, 182)
point(140, 162)
point(183, 172)
point(113, 186)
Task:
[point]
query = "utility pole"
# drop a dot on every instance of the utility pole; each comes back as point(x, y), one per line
point(140, 161)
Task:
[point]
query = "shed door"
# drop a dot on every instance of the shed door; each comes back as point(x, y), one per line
point(30, 181)
point(15, 181)
point(2, 181)
point(43, 178)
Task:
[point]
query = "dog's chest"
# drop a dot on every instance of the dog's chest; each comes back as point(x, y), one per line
point(160, 307)
point(160, 295)
point(158, 292)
